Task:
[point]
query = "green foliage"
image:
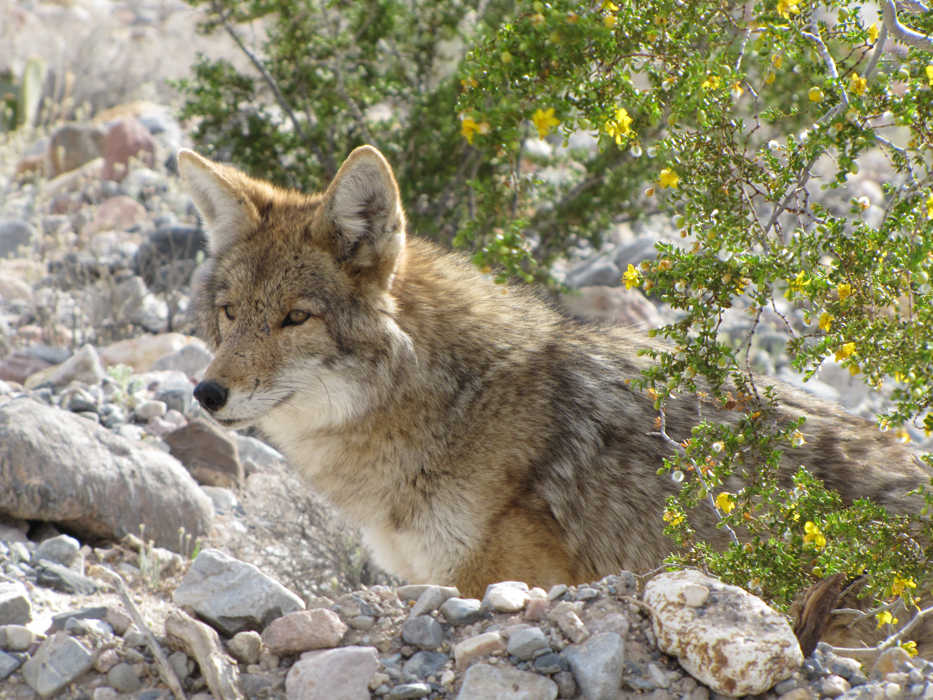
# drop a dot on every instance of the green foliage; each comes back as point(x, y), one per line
point(744, 122)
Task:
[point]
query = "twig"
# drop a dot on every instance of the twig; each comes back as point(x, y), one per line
point(165, 668)
point(905, 35)
point(826, 56)
point(869, 653)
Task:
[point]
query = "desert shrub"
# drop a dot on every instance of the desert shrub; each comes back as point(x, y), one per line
point(742, 122)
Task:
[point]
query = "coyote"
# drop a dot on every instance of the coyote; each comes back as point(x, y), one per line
point(471, 431)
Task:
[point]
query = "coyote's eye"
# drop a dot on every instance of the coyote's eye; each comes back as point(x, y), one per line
point(295, 317)
point(228, 311)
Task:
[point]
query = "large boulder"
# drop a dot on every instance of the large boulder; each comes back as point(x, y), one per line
point(59, 467)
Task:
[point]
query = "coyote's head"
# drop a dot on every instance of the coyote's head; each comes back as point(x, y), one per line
point(295, 298)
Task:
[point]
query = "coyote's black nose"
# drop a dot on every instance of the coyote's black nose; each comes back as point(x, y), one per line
point(211, 395)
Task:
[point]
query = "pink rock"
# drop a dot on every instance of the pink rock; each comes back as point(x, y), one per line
point(304, 630)
point(334, 674)
point(126, 139)
point(116, 214)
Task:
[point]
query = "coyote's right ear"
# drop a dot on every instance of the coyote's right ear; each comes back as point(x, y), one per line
point(221, 194)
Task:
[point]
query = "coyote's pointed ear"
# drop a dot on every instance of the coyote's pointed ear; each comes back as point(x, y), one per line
point(365, 214)
point(221, 194)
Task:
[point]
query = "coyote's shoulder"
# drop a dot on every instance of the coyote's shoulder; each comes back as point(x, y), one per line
point(471, 431)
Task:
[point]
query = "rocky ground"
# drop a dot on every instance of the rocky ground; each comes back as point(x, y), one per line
point(146, 553)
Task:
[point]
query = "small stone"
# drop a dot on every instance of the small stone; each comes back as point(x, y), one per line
point(106, 660)
point(525, 643)
point(472, 648)
point(787, 685)
point(245, 646)
point(405, 691)
point(104, 692)
point(507, 597)
point(834, 686)
point(565, 616)
point(566, 685)
point(536, 609)
point(15, 607)
point(362, 622)
point(304, 630)
point(58, 661)
point(551, 663)
point(890, 660)
point(505, 683)
point(423, 631)
point(597, 665)
point(461, 611)
point(123, 677)
point(9, 663)
point(556, 591)
point(61, 578)
point(425, 663)
point(431, 599)
point(335, 674)
point(586, 593)
point(62, 550)
point(150, 409)
point(16, 637)
point(798, 694)
point(179, 663)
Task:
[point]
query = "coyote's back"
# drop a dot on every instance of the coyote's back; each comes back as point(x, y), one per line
point(473, 433)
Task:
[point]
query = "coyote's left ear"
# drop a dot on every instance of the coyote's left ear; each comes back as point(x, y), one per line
point(367, 224)
point(223, 196)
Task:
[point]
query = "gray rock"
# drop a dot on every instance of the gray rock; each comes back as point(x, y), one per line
point(61, 578)
point(425, 663)
point(634, 253)
point(597, 665)
point(9, 663)
point(525, 643)
point(192, 359)
point(83, 366)
point(13, 234)
point(232, 595)
point(601, 272)
point(176, 390)
point(224, 500)
point(62, 550)
point(245, 646)
point(150, 409)
point(505, 683)
point(168, 258)
point(551, 663)
point(423, 631)
point(60, 621)
point(256, 455)
point(180, 664)
point(406, 691)
point(15, 606)
point(461, 611)
point(123, 678)
point(16, 637)
point(57, 467)
point(431, 599)
point(333, 674)
point(58, 661)
point(208, 451)
point(73, 145)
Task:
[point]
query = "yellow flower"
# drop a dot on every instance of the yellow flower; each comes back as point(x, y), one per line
point(904, 437)
point(826, 320)
point(608, 6)
point(469, 127)
point(725, 501)
point(854, 369)
point(858, 84)
point(777, 60)
point(930, 74)
point(813, 536)
point(800, 282)
point(786, 8)
point(544, 120)
point(885, 618)
point(930, 207)
point(468, 83)
point(844, 291)
point(769, 78)
point(797, 439)
point(873, 33)
point(668, 178)
point(901, 583)
point(711, 83)
point(672, 517)
point(845, 352)
point(910, 647)
point(620, 126)
point(631, 277)
point(610, 20)
point(815, 94)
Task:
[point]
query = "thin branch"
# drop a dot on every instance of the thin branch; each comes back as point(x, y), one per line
point(903, 34)
point(827, 57)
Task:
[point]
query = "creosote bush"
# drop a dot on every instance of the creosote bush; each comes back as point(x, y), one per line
point(745, 123)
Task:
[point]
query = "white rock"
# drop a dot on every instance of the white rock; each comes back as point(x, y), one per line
point(734, 643)
point(508, 596)
point(505, 683)
point(334, 674)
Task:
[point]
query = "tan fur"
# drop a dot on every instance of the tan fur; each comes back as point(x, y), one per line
point(472, 432)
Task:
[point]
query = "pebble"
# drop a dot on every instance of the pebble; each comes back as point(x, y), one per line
point(16, 637)
point(425, 663)
point(565, 616)
point(245, 646)
point(62, 549)
point(597, 664)
point(423, 631)
point(505, 683)
point(123, 677)
point(508, 596)
point(461, 611)
point(405, 691)
point(472, 648)
point(431, 599)
point(304, 630)
point(526, 643)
